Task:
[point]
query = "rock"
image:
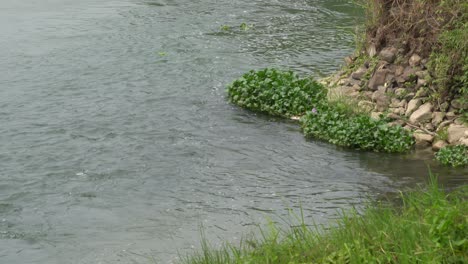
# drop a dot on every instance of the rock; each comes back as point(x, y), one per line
point(450, 115)
point(444, 124)
point(395, 103)
point(463, 141)
point(399, 70)
point(459, 104)
point(422, 115)
point(348, 60)
point(459, 121)
point(412, 106)
point(414, 60)
point(371, 50)
point(366, 105)
point(401, 111)
point(393, 116)
point(429, 127)
point(400, 92)
point(438, 144)
point(409, 74)
point(375, 115)
point(444, 106)
point(437, 118)
point(388, 54)
point(455, 133)
point(397, 123)
point(409, 97)
point(421, 83)
point(359, 73)
point(421, 136)
point(377, 79)
point(422, 139)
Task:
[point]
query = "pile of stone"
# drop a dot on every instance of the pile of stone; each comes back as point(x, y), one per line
point(399, 89)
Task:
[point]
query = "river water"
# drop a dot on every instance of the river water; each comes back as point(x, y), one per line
point(117, 143)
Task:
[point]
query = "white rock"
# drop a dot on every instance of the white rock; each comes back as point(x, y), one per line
point(422, 115)
point(412, 106)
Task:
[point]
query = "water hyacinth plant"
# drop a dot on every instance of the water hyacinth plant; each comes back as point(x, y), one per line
point(455, 156)
point(276, 92)
point(360, 131)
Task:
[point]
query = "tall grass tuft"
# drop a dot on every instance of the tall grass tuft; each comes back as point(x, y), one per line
point(427, 226)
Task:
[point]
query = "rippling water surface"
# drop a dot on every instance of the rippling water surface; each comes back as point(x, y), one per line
point(116, 142)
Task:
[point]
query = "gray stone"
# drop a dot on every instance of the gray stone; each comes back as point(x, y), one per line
point(359, 73)
point(371, 50)
point(459, 103)
point(455, 133)
point(397, 123)
point(377, 79)
point(421, 83)
point(395, 102)
point(463, 141)
point(422, 115)
point(429, 127)
point(399, 70)
point(444, 124)
point(409, 74)
point(393, 116)
point(421, 136)
point(414, 60)
point(348, 60)
point(409, 96)
point(412, 106)
point(438, 144)
point(437, 118)
point(450, 115)
point(400, 92)
point(388, 54)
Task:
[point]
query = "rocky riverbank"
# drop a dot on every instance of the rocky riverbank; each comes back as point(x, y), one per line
point(390, 85)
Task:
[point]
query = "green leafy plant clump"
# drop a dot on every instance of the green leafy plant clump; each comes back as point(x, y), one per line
point(455, 156)
point(429, 226)
point(276, 92)
point(358, 131)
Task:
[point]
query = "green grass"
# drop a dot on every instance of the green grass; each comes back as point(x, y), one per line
point(428, 226)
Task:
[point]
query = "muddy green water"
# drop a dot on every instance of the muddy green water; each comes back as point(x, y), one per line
point(116, 142)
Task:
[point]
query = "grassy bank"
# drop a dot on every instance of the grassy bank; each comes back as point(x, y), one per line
point(428, 226)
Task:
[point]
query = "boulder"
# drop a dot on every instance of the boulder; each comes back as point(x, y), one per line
point(438, 144)
point(359, 73)
point(421, 140)
point(400, 92)
point(399, 70)
point(414, 60)
point(459, 104)
point(412, 106)
point(463, 141)
point(377, 79)
point(421, 136)
point(422, 115)
point(455, 133)
point(437, 118)
point(388, 54)
point(393, 116)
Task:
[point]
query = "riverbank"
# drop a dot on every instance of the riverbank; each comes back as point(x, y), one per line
point(425, 225)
